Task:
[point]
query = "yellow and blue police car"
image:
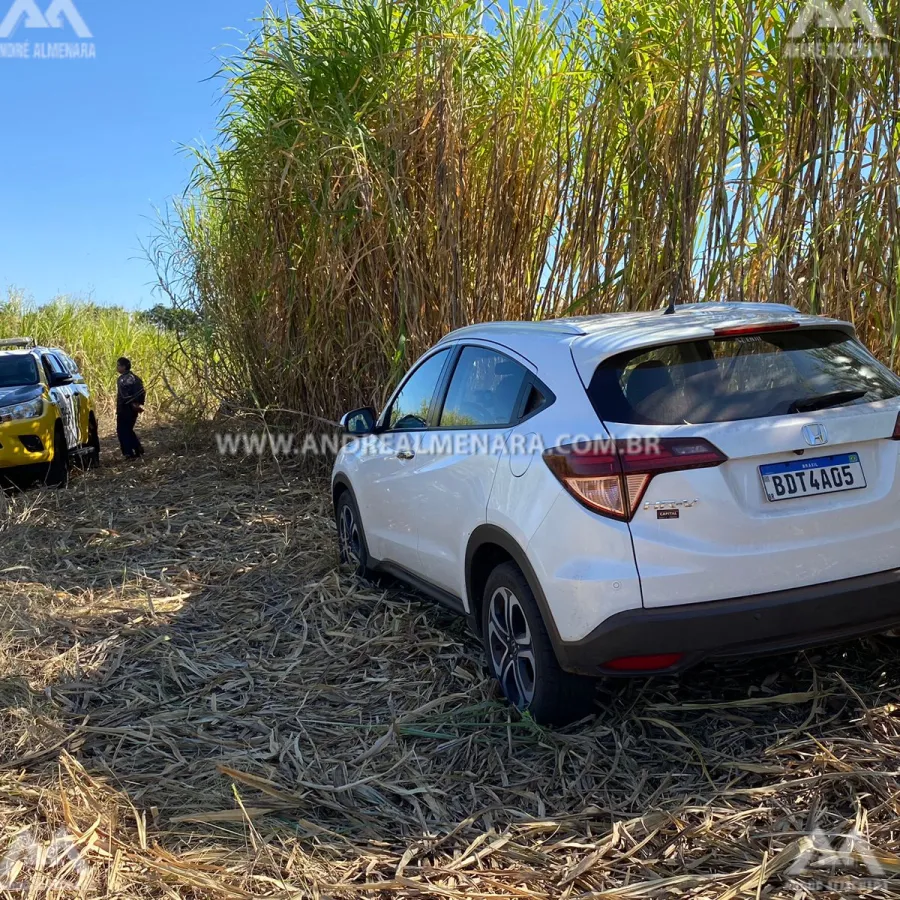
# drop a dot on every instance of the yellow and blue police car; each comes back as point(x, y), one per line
point(47, 416)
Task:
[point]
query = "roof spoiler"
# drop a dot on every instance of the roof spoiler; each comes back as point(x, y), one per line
point(744, 305)
point(19, 343)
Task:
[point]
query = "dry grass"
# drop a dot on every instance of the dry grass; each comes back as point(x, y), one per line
point(191, 689)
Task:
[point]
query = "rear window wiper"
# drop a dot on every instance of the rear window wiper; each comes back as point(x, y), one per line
point(823, 401)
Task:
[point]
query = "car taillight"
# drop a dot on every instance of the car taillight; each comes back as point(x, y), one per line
point(896, 435)
point(611, 477)
point(749, 330)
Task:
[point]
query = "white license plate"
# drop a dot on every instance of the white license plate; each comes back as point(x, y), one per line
point(806, 477)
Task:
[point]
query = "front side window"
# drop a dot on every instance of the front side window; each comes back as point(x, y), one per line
point(18, 371)
point(736, 378)
point(484, 391)
point(410, 409)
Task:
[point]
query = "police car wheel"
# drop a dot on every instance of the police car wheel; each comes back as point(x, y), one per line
point(58, 469)
point(92, 458)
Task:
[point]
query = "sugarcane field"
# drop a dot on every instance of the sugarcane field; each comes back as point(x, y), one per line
point(450, 451)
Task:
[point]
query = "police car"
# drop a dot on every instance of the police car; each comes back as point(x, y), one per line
point(47, 416)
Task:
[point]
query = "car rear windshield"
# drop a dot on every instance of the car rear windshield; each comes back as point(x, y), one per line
point(17, 371)
point(733, 378)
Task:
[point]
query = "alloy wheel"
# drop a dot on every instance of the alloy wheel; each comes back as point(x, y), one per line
point(511, 648)
point(351, 542)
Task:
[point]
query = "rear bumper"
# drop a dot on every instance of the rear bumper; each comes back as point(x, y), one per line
point(766, 623)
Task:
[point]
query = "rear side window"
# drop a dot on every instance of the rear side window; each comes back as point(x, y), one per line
point(484, 391)
point(536, 402)
point(749, 377)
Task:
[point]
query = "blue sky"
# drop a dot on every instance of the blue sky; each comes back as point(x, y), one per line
point(90, 147)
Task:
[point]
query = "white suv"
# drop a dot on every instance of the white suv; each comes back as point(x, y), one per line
point(632, 493)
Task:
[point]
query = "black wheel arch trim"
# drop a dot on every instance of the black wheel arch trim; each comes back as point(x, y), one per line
point(340, 485)
point(493, 534)
point(342, 481)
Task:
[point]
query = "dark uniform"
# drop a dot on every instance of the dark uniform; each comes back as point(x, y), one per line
point(129, 400)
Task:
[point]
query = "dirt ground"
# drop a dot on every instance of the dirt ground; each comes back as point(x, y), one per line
point(195, 702)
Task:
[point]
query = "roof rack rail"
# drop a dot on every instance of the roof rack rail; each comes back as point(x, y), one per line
point(19, 343)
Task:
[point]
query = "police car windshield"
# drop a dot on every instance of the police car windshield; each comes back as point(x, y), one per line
point(18, 371)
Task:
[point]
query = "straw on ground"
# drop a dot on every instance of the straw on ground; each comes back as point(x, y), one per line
point(195, 693)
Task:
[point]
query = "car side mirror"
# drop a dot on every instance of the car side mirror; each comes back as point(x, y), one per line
point(61, 380)
point(359, 422)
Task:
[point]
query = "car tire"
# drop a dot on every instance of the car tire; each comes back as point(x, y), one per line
point(58, 468)
point(354, 550)
point(520, 654)
point(92, 457)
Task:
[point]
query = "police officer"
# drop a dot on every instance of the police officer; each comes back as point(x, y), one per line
point(130, 401)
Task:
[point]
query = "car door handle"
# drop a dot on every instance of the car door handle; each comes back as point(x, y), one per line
point(406, 454)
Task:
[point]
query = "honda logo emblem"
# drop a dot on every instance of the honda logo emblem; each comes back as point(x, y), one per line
point(815, 435)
